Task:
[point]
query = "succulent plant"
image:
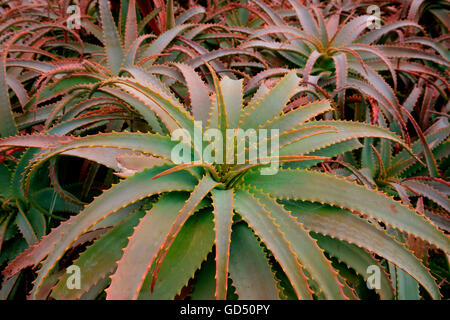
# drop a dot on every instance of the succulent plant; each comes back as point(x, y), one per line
point(379, 166)
point(336, 56)
point(227, 150)
point(204, 203)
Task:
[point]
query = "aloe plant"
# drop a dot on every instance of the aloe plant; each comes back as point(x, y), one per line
point(231, 210)
point(380, 166)
point(402, 176)
point(339, 55)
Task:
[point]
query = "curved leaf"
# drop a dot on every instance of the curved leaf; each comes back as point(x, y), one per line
point(260, 220)
point(249, 269)
point(128, 191)
point(319, 187)
point(345, 226)
point(111, 38)
point(190, 248)
point(223, 218)
point(304, 247)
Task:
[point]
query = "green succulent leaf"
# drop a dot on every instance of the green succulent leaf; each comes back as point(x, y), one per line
point(348, 227)
point(190, 249)
point(260, 220)
point(320, 187)
point(107, 204)
point(249, 268)
point(304, 247)
point(223, 218)
point(111, 38)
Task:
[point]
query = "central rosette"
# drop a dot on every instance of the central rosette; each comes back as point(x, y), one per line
point(229, 151)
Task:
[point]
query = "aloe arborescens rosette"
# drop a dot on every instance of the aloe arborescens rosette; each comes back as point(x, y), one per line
point(240, 215)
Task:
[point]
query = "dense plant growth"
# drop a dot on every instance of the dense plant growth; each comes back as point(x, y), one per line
point(224, 149)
